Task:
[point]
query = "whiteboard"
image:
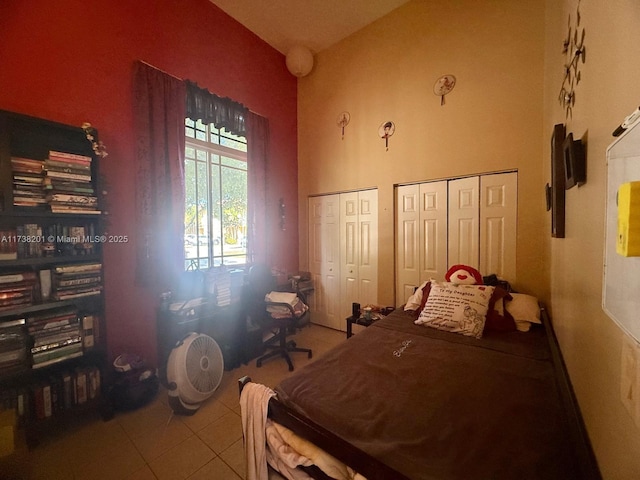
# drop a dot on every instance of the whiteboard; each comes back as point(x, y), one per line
point(621, 284)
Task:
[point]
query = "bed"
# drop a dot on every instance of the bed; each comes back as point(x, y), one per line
point(402, 401)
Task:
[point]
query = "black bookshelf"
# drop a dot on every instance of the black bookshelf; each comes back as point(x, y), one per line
point(51, 292)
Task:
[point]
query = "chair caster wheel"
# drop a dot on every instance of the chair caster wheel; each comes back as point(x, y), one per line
point(310, 355)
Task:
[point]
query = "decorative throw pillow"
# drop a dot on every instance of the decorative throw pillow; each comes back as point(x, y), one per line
point(416, 301)
point(498, 319)
point(524, 309)
point(457, 308)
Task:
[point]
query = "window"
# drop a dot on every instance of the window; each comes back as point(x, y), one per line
point(215, 215)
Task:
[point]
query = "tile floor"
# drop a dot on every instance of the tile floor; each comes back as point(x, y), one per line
point(150, 443)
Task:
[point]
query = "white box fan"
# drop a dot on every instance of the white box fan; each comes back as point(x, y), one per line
point(194, 372)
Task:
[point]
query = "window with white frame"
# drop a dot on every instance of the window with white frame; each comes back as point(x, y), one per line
point(215, 214)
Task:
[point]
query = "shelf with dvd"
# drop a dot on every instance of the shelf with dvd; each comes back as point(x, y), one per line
point(52, 323)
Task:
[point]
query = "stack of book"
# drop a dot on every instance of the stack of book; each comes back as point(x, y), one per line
point(30, 240)
point(27, 182)
point(68, 184)
point(8, 244)
point(17, 290)
point(74, 281)
point(13, 343)
point(56, 336)
point(63, 391)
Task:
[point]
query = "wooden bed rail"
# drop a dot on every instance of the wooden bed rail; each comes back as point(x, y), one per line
point(347, 453)
point(587, 462)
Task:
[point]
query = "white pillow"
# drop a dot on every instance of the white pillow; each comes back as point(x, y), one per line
point(456, 308)
point(415, 300)
point(524, 309)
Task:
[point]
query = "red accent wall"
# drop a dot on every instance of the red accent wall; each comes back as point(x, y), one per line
point(72, 61)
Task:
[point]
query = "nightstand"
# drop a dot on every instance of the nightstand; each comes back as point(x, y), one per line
point(358, 321)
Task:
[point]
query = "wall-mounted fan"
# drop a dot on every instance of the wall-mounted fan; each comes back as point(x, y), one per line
point(194, 372)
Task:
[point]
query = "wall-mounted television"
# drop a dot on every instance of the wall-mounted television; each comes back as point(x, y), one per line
point(575, 171)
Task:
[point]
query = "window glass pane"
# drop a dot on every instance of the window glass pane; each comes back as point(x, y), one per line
point(232, 162)
point(227, 142)
point(215, 198)
point(202, 240)
point(234, 207)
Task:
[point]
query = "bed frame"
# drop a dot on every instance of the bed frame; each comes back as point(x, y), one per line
point(373, 469)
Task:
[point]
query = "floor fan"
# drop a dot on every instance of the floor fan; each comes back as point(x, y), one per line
point(194, 372)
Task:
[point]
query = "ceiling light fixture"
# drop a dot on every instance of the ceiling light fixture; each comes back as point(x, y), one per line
point(299, 60)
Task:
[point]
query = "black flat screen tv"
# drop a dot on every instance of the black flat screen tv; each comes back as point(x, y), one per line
point(575, 172)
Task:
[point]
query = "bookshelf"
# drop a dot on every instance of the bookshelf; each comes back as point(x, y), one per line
point(52, 324)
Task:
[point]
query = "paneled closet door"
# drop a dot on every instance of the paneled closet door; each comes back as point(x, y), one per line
point(358, 249)
point(421, 228)
point(433, 230)
point(464, 222)
point(367, 249)
point(324, 259)
point(349, 252)
point(498, 222)
point(407, 241)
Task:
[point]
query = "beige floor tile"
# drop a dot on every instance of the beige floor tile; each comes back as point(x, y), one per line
point(144, 420)
point(235, 458)
point(164, 437)
point(215, 469)
point(209, 411)
point(182, 460)
point(222, 433)
point(119, 465)
point(145, 473)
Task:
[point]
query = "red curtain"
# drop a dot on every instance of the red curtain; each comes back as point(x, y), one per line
point(257, 160)
point(159, 113)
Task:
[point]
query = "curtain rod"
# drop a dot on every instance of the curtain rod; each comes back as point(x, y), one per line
point(182, 80)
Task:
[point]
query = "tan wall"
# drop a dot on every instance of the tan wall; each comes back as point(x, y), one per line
point(591, 343)
point(490, 122)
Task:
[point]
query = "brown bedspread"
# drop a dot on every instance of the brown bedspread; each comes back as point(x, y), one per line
point(438, 405)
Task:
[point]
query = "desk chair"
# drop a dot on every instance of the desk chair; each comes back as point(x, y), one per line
point(261, 282)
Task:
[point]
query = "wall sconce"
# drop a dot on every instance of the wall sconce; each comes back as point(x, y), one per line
point(282, 215)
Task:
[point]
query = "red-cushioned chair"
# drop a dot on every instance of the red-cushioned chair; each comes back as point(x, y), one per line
point(260, 282)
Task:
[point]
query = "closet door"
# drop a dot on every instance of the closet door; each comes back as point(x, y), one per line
point(324, 261)
point(421, 226)
point(433, 230)
point(464, 222)
point(407, 241)
point(358, 249)
point(367, 249)
point(498, 221)
point(349, 252)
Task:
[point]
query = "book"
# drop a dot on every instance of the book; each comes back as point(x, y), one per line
point(45, 284)
point(79, 268)
point(78, 177)
point(87, 331)
point(70, 157)
point(44, 359)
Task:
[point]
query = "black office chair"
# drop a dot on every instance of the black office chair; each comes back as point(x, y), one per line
point(261, 282)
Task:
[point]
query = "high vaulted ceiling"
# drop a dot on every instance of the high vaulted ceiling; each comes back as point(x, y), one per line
point(315, 24)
